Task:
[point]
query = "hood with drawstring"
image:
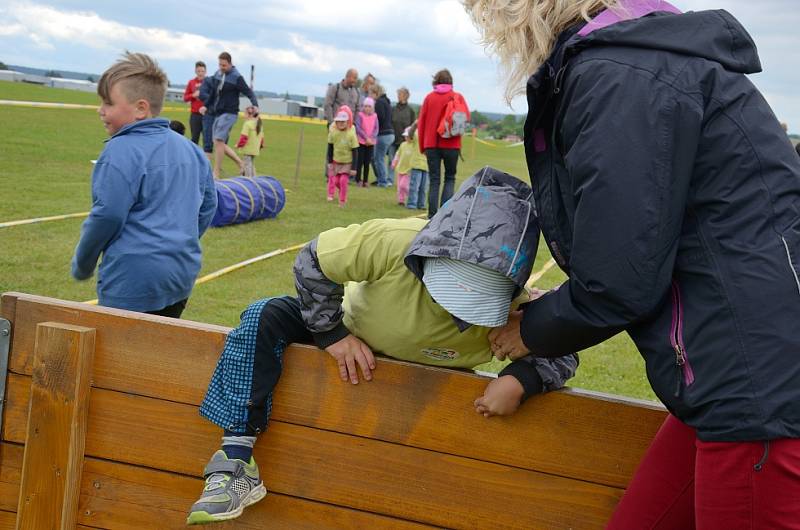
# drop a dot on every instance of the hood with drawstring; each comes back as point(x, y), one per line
point(490, 221)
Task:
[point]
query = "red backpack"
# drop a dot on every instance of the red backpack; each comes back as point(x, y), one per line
point(455, 118)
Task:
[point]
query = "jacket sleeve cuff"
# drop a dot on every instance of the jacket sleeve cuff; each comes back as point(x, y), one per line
point(527, 375)
point(324, 339)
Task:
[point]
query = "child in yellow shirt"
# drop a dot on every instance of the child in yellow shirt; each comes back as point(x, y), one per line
point(251, 141)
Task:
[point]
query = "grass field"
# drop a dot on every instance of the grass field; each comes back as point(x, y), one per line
point(45, 170)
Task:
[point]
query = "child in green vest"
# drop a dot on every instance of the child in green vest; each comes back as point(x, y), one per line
point(456, 277)
point(412, 171)
point(251, 140)
point(342, 153)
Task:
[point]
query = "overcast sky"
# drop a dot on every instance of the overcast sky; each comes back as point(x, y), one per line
point(301, 45)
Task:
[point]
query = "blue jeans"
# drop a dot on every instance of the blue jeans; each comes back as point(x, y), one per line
point(435, 158)
point(379, 161)
point(417, 185)
point(390, 154)
point(208, 125)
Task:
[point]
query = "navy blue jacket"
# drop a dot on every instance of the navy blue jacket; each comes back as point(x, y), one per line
point(383, 108)
point(220, 92)
point(669, 194)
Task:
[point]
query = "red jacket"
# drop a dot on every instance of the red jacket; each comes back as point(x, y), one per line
point(429, 117)
point(193, 85)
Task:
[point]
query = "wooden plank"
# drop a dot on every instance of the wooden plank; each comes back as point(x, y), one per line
point(128, 497)
point(576, 434)
point(8, 520)
point(134, 352)
point(121, 496)
point(10, 475)
point(581, 435)
point(51, 468)
point(8, 305)
point(368, 475)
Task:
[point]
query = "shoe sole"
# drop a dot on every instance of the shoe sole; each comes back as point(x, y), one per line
point(255, 495)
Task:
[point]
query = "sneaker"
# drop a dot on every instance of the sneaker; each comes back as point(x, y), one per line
point(231, 486)
point(330, 198)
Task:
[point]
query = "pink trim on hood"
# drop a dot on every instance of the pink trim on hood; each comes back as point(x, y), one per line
point(443, 88)
point(628, 10)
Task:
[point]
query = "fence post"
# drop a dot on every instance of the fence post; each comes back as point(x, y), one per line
point(54, 445)
point(299, 155)
point(474, 141)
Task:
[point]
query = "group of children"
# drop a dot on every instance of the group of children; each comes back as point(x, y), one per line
point(351, 143)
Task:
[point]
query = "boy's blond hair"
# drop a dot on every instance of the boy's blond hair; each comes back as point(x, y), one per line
point(522, 32)
point(139, 76)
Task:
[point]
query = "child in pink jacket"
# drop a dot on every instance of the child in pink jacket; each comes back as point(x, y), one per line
point(367, 133)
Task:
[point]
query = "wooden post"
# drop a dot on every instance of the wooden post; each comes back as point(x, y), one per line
point(57, 418)
point(299, 154)
point(474, 141)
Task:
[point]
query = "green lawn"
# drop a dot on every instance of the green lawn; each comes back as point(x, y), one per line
point(46, 171)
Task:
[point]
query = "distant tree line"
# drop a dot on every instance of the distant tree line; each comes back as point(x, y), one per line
point(507, 126)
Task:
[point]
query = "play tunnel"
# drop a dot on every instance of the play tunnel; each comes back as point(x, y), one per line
point(243, 199)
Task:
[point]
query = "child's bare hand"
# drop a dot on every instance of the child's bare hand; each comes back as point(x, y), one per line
point(353, 172)
point(501, 397)
point(349, 352)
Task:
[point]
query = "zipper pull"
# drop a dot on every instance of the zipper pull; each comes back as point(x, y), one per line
point(558, 79)
point(680, 357)
point(680, 360)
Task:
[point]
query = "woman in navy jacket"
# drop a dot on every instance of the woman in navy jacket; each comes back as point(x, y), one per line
point(670, 196)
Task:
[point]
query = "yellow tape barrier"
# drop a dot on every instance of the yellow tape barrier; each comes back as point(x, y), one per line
point(221, 272)
point(538, 275)
point(496, 146)
point(48, 105)
point(43, 219)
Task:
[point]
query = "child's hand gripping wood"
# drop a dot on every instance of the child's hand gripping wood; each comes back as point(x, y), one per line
point(351, 351)
point(501, 397)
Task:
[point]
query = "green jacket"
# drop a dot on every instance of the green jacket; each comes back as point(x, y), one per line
point(368, 259)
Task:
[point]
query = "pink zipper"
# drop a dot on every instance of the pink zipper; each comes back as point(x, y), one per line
point(676, 339)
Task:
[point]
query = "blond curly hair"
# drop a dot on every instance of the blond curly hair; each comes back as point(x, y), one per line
point(521, 33)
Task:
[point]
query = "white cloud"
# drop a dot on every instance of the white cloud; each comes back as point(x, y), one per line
point(47, 26)
point(301, 46)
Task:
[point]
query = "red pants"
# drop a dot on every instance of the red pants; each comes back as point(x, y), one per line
point(339, 181)
point(684, 483)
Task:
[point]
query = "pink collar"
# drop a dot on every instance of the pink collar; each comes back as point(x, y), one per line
point(443, 88)
point(628, 10)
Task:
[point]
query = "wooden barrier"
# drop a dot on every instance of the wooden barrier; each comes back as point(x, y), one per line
point(406, 450)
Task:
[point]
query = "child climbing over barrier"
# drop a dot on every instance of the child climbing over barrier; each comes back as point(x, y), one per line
point(342, 153)
point(153, 197)
point(251, 140)
point(412, 170)
point(457, 277)
point(367, 132)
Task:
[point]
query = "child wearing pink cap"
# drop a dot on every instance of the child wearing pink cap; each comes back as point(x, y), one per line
point(342, 153)
point(367, 132)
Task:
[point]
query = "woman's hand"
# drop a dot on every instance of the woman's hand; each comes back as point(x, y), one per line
point(506, 341)
point(349, 352)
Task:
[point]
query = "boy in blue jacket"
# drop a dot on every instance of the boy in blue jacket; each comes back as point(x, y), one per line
point(153, 196)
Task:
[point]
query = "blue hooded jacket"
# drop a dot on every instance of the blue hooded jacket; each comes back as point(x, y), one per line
point(153, 196)
point(670, 195)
